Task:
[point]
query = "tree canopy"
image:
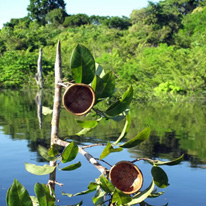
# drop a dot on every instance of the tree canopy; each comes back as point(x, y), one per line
point(38, 9)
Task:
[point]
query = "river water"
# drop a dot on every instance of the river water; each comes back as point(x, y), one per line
point(177, 128)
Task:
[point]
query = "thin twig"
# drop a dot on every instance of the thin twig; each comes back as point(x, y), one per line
point(93, 145)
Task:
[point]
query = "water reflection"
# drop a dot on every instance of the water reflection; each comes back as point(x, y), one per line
point(176, 128)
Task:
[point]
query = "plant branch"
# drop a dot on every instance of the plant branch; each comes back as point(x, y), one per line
point(87, 155)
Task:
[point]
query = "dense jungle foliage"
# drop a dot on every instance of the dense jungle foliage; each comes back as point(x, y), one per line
point(160, 49)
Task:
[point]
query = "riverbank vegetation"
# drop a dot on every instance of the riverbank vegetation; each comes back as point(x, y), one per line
point(160, 49)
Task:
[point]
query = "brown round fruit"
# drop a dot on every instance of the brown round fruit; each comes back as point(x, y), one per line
point(78, 99)
point(126, 177)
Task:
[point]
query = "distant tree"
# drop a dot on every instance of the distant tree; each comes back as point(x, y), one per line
point(38, 9)
point(76, 20)
point(117, 22)
point(56, 17)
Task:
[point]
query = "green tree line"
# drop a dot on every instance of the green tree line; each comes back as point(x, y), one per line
point(160, 49)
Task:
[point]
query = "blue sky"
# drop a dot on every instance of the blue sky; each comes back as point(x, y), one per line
point(18, 8)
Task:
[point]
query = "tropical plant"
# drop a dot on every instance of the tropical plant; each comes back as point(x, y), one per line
point(87, 74)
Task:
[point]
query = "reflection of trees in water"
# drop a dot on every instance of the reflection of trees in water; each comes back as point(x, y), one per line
point(176, 128)
point(165, 148)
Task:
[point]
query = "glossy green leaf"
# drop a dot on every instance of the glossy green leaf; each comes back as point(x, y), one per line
point(106, 185)
point(70, 152)
point(170, 163)
point(72, 167)
point(39, 170)
point(109, 149)
point(143, 135)
point(44, 153)
point(53, 151)
point(98, 199)
point(125, 128)
point(43, 195)
point(97, 86)
point(160, 177)
point(17, 195)
point(84, 131)
point(87, 124)
point(141, 196)
point(34, 200)
point(122, 104)
point(120, 198)
point(82, 65)
point(108, 85)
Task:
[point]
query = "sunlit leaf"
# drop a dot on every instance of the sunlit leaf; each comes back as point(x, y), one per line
point(34, 200)
point(70, 152)
point(43, 195)
point(120, 197)
point(160, 177)
point(72, 167)
point(44, 153)
point(106, 185)
point(82, 65)
point(109, 149)
point(53, 151)
point(98, 199)
point(39, 170)
point(141, 196)
point(125, 128)
point(122, 104)
point(87, 124)
point(46, 110)
point(170, 163)
point(18, 195)
point(143, 135)
point(99, 70)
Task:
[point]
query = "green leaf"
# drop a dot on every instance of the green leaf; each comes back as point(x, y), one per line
point(39, 170)
point(53, 151)
point(170, 163)
point(87, 124)
point(82, 65)
point(143, 135)
point(98, 199)
point(17, 195)
point(70, 152)
point(160, 177)
point(99, 70)
point(34, 200)
point(108, 85)
point(43, 195)
point(92, 187)
point(155, 194)
point(106, 185)
point(141, 196)
point(122, 104)
point(46, 110)
point(97, 86)
point(44, 153)
point(125, 128)
point(84, 131)
point(72, 167)
point(120, 198)
point(109, 149)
